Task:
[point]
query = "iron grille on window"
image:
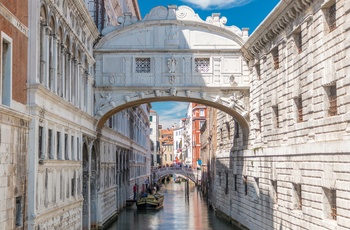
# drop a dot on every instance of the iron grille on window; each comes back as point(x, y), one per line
point(333, 204)
point(235, 182)
point(258, 71)
point(300, 109)
point(143, 65)
point(299, 200)
point(274, 186)
point(226, 185)
point(275, 56)
point(332, 110)
point(202, 65)
point(332, 17)
point(276, 116)
point(300, 42)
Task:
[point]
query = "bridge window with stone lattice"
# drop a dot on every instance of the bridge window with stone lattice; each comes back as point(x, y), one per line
point(202, 65)
point(143, 65)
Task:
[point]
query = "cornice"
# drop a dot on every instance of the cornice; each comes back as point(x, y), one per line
point(86, 17)
point(276, 22)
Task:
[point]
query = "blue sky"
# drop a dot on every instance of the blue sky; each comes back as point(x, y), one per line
point(240, 13)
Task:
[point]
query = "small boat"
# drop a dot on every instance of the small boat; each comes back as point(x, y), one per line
point(178, 180)
point(150, 201)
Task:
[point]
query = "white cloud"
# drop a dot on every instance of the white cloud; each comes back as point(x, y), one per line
point(172, 113)
point(217, 4)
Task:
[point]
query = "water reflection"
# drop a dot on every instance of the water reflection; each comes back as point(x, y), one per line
point(179, 212)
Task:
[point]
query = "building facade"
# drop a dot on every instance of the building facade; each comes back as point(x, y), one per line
point(198, 119)
point(166, 142)
point(154, 136)
point(295, 174)
point(78, 176)
point(14, 121)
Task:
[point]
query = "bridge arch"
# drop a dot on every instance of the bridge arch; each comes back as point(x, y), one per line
point(187, 173)
point(172, 55)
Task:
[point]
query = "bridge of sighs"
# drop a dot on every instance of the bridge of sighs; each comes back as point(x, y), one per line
point(172, 55)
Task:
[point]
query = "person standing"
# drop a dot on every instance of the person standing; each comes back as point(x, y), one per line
point(135, 189)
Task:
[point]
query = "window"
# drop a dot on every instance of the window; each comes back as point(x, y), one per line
point(332, 17)
point(151, 118)
point(258, 71)
point(275, 192)
point(202, 65)
point(332, 99)
point(72, 147)
point(66, 147)
point(201, 113)
point(78, 149)
point(330, 203)
point(245, 181)
point(143, 65)
point(298, 201)
point(226, 185)
point(299, 105)
point(236, 135)
point(298, 40)
point(49, 147)
point(58, 145)
point(73, 186)
point(275, 116)
point(201, 123)
point(6, 70)
point(275, 58)
point(19, 211)
point(235, 182)
point(41, 143)
point(258, 117)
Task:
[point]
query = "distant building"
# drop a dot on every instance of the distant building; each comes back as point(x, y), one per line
point(166, 146)
point(198, 119)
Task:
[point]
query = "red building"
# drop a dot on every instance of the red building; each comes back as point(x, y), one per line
point(199, 113)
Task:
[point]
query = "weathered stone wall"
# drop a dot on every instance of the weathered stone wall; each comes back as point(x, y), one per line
point(285, 180)
point(13, 165)
point(68, 218)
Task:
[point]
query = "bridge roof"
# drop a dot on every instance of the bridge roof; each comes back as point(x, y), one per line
point(172, 28)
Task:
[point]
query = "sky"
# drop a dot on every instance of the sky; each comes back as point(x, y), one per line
point(240, 13)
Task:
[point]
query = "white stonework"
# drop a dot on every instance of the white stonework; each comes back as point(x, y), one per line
point(78, 177)
point(298, 153)
point(279, 153)
point(171, 55)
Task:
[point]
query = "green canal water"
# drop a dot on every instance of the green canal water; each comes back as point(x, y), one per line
point(184, 209)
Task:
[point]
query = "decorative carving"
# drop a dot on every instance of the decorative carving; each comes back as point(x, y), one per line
point(127, 98)
point(172, 32)
point(203, 95)
point(173, 91)
point(216, 20)
point(188, 93)
point(106, 99)
point(217, 99)
point(172, 65)
point(42, 115)
point(172, 79)
point(234, 101)
point(157, 93)
point(232, 80)
point(112, 79)
point(141, 94)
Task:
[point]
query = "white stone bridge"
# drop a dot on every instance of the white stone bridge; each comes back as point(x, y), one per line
point(187, 173)
point(172, 55)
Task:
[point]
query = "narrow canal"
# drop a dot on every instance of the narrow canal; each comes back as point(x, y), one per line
point(184, 209)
